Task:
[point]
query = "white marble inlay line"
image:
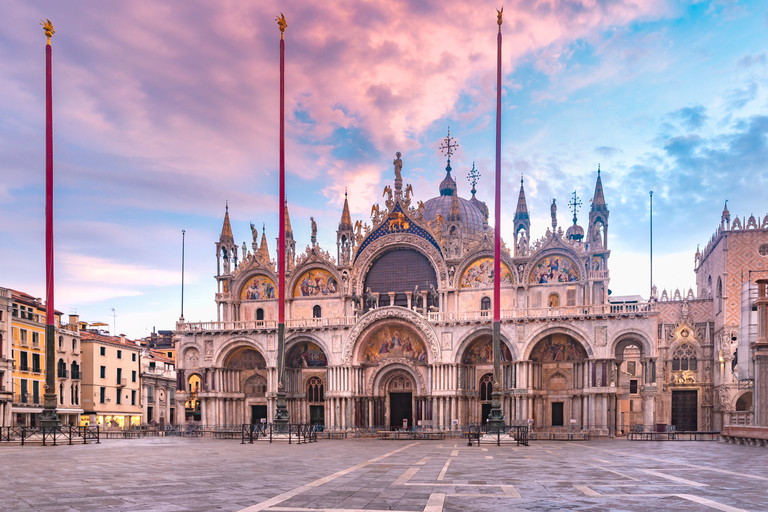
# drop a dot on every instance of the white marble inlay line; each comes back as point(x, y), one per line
point(264, 505)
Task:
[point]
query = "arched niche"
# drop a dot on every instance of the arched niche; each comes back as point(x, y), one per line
point(379, 380)
point(316, 282)
point(306, 354)
point(191, 358)
point(479, 274)
point(558, 347)
point(480, 351)
point(245, 358)
point(258, 287)
point(392, 340)
point(554, 269)
point(255, 386)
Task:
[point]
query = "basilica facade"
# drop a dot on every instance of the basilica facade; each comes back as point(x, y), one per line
point(396, 328)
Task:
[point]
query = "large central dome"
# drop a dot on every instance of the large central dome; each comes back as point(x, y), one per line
point(472, 218)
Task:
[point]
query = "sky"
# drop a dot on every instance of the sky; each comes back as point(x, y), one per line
point(164, 112)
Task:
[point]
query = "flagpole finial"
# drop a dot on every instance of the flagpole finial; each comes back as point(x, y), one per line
point(281, 23)
point(48, 29)
point(498, 17)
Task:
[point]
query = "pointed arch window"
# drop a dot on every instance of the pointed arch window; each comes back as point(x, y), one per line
point(486, 388)
point(315, 390)
point(684, 358)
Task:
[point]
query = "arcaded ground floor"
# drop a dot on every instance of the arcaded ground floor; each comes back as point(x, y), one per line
point(171, 474)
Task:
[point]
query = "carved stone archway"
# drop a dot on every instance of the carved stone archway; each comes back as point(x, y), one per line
point(376, 316)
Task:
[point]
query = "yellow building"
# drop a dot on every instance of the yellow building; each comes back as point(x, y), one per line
point(111, 381)
point(28, 320)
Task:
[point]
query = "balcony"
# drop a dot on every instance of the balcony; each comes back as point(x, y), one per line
point(22, 343)
point(481, 316)
point(77, 375)
point(36, 344)
point(62, 373)
point(150, 399)
point(121, 383)
point(23, 368)
point(36, 370)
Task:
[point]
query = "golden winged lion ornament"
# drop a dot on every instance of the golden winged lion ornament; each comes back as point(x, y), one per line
point(281, 23)
point(48, 29)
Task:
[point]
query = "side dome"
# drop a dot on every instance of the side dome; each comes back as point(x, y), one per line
point(471, 217)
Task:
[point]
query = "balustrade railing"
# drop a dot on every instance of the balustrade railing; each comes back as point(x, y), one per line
point(434, 316)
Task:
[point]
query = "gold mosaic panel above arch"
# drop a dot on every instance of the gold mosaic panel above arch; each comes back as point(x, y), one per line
point(316, 282)
point(259, 288)
point(393, 341)
point(480, 274)
point(554, 269)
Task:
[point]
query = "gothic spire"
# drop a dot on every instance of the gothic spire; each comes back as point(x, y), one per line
point(455, 213)
point(288, 230)
point(226, 229)
point(598, 202)
point(522, 206)
point(263, 254)
point(346, 218)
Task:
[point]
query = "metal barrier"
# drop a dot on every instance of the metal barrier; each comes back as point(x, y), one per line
point(302, 433)
point(50, 435)
point(476, 432)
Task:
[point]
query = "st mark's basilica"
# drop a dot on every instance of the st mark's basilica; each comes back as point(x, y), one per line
point(396, 328)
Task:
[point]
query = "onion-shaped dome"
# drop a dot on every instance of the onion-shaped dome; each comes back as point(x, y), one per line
point(575, 232)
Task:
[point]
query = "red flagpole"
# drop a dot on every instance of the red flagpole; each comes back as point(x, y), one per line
point(281, 248)
point(48, 189)
point(497, 223)
point(48, 417)
point(282, 416)
point(496, 417)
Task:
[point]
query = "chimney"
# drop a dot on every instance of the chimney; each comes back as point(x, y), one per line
point(74, 320)
point(122, 339)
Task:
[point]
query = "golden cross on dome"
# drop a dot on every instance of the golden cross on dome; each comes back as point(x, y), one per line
point(575, 204)
point(447, 147)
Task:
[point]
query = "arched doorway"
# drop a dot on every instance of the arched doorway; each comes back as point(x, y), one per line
point(477, 374)
point(399, 388)
point(558, 381)
point(306, 364)
point(192, 405)
point(248, 369)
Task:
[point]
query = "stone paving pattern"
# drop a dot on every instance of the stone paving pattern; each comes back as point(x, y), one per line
point(173, 474)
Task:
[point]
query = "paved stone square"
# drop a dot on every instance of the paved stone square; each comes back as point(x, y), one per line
point(172, 474)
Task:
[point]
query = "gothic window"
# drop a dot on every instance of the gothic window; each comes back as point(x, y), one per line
point(719, 296)
point(400, 271)
point(684, 358)
point(315, 390)
point(259, 314)
point(316, 312)
point(486, 388)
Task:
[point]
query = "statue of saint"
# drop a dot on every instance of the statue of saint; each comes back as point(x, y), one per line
point(553, 210)
point(398, 165)
point(314, 230)
point(254, 233)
